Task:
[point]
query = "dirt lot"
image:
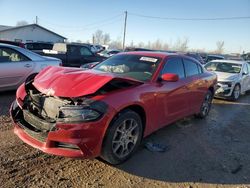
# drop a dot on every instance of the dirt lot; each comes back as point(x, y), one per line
point(214, 152)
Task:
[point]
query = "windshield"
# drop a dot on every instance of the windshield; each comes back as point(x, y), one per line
point(134, 66)
point(223, 67)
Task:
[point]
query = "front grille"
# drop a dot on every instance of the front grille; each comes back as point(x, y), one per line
point(40, 136)
point(32, 131)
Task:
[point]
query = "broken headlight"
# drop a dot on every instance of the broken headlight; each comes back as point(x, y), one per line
point(78, 114)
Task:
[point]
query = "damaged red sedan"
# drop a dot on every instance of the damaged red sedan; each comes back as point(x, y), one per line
point(107, 110)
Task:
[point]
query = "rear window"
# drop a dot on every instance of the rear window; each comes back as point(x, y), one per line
point(191, 68)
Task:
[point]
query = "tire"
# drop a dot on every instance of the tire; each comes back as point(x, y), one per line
point(122, 137)
point(236, 92)
point(206, 105)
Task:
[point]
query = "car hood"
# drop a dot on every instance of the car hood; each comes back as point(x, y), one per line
point(223, 76)
point(74, 82)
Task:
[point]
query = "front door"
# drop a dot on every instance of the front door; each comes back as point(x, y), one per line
point(14, 68)
point(172, 97)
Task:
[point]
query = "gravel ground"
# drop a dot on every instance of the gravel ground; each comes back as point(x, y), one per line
point(214, 152)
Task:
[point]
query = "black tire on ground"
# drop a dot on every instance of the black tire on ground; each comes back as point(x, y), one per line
point(122, 137)
point(236, 92)
point(206, 105)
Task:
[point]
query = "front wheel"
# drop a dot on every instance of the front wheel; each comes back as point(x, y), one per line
point(206, 105)
point(122, 137)
point(236, 92)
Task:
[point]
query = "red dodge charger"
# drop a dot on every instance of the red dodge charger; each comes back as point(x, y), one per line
point(107, 110)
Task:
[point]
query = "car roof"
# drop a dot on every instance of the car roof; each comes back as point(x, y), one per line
point(150, 53)
point(213, 55)
point(9, 45)
point(228, 61)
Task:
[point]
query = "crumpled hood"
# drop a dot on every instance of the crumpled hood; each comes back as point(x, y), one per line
point(73, 82)
point(223, 76)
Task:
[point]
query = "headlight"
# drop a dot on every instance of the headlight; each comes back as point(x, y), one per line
point(78, 113)
point(228, 84)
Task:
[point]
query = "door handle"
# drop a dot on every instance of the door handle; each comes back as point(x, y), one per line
point(27, 65)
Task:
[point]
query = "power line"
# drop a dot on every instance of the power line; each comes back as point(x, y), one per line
point(84, 26)
point(191, 19)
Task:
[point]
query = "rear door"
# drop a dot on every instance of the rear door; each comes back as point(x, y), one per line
point(14, 68)
point(171, 97)
point(196, 84)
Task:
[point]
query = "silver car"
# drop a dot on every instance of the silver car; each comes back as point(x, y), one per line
point(233, 77)
point(16, 64)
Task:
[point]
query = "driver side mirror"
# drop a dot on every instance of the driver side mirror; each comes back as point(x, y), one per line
point(244, 73)
point(169, 77)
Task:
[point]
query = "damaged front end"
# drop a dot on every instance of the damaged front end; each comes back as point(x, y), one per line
point(56, 122)
point(63, 111)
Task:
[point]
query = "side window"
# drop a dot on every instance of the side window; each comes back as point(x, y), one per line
point(85, 51)
point(175, 66)
point(10, 55)
point(191, 67)
point(245, 69)
point(73, 50)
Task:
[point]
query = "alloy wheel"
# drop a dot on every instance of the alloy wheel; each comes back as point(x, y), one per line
point(206, 104)
point(125, 138)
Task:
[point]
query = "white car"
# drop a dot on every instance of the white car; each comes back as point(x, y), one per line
point(233, 77)
point(16, 64)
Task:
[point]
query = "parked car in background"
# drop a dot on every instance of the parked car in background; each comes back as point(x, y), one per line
point(73, 54)
point(246, 56)
point(109, 52)
point(16, 64)
point(20, 44)
point(96, 48)
point(38, 46)
point(196, 56)
point(107, 110)
point(213, 57)
point(233, 77)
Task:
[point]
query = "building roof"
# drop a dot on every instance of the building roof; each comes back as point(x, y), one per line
point(4, 27)
point(7, 28)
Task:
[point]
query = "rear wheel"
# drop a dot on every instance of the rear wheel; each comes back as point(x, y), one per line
point(236, 92)
point(122, 137)
point(206, 105)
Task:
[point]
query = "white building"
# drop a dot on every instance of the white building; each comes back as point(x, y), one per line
point(29, 33)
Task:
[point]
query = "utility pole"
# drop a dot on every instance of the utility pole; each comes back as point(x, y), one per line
point(125, 27)
point(36, 20)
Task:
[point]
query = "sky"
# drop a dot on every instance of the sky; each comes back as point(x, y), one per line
point(79, 19)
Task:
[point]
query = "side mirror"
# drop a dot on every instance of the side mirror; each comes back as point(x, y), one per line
point(169, 77)
point(244, 73)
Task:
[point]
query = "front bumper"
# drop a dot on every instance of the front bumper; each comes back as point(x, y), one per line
point(224, 90)
point(81, 140)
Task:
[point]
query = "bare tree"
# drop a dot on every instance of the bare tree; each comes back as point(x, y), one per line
point(220, 47)
point(21, 23)
point(116, 44)
point(106, 38)
point(98, 36)
point(181, 44)
point(101, 38)
point(157, 45)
